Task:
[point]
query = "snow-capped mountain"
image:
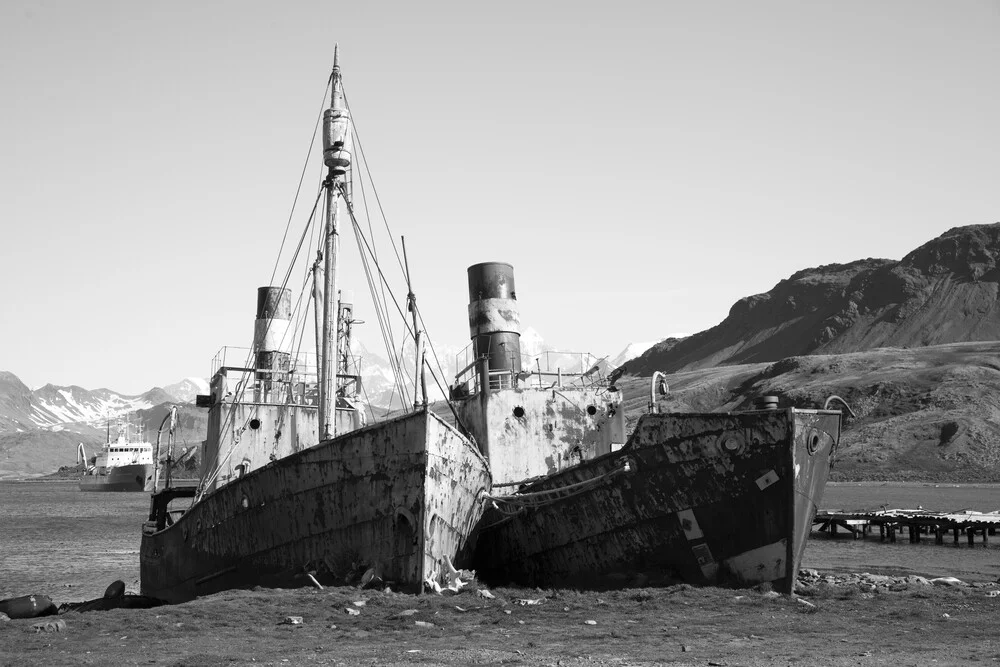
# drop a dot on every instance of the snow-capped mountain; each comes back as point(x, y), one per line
point(631, 351)
point(52, 406)
point(186, 390)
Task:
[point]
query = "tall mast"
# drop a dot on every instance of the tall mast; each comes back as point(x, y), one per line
point(337, 157)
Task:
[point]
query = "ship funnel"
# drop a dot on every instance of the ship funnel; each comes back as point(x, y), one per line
point(494, 323)
point(270, 339)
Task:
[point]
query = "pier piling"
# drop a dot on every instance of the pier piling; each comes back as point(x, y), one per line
point(915, 522)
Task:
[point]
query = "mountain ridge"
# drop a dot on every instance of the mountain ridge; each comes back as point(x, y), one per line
point(944, 291)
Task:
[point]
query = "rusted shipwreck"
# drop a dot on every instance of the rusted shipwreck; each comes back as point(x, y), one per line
point(711, 498)
point(528, 474)
point(293, 483)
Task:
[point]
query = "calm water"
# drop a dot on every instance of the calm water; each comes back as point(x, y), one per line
point(70, 545)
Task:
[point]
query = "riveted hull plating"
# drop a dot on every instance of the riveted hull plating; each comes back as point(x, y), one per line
point(400, 496)
point(723, 498)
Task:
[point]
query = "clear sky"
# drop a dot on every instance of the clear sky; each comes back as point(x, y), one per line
point(643, 165)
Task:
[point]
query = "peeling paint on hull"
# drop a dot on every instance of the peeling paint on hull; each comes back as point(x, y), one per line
point(402, 495)
point(723, 498)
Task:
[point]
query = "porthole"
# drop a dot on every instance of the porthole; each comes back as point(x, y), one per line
point(246, 502)
point(591, 410)
point(518, 412)
point(813, 443)
point(255, 423)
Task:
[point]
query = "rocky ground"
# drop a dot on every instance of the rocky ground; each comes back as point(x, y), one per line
point(833, 620)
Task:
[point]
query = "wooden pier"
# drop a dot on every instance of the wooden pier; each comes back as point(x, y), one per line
point(913, 522)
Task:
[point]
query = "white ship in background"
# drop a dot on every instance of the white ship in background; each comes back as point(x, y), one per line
point(125, 464)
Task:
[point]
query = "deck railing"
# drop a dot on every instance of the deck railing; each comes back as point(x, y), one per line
point(547, 369)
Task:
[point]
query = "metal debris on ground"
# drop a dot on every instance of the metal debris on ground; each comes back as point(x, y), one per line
point(49, 626)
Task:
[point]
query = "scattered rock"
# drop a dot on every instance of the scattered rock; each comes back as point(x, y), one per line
point(4, 617)
point(359, 603)
point(589, 622)
point(947, 581)
point(49, 626)
point(408, 612)
point(685, 649)
point(945, 615)
point(483, 593)
point(772, 594)
point(423, 624)
point(292, 620)
point(352, 611)
point(989, 594)
point(524, 602)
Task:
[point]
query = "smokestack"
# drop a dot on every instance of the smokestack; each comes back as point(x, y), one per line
point(494, 323)
point(274, 311)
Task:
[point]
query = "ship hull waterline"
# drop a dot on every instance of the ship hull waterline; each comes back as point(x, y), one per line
point(135, 477)
point(400, 497)
point(708, 499)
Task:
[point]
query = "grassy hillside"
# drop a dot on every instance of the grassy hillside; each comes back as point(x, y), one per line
point(929, 414)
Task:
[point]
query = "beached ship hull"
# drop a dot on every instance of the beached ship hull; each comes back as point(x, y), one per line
point(400, 496)
point(133, 477)
point(708, 498)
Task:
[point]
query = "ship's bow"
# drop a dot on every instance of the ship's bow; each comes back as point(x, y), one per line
point(816, 434)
